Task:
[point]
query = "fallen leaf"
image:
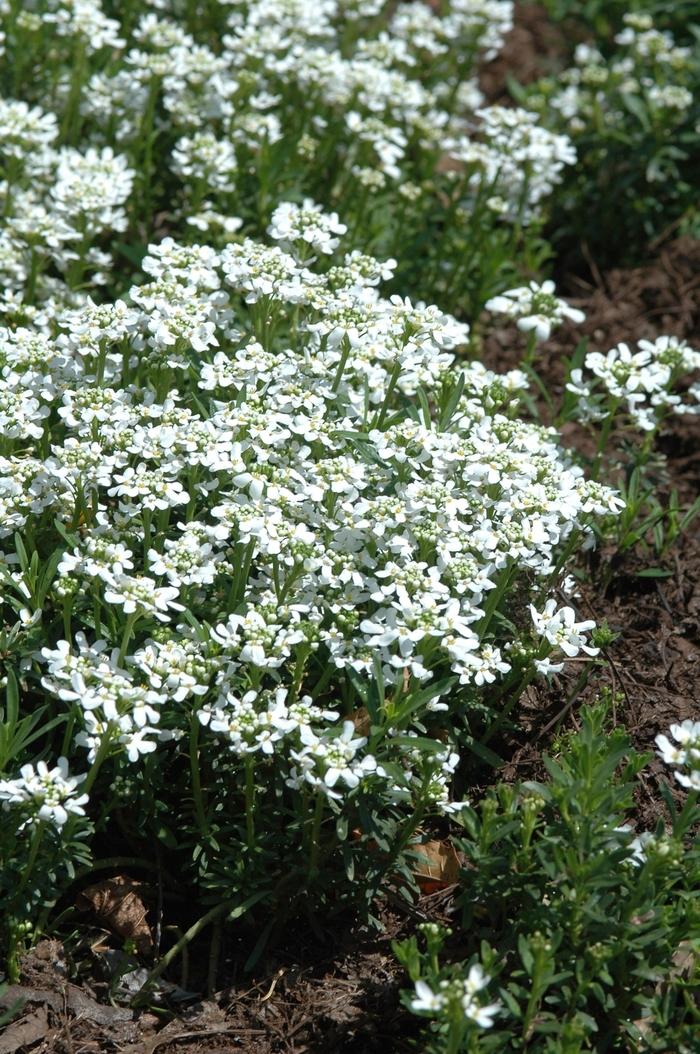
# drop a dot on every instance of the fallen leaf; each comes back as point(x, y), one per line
point(684, 960)
point(117, 904)
point(683, 965)
point(437, 865)
point(68, 997)
point(362, 721)
point(25, 1032)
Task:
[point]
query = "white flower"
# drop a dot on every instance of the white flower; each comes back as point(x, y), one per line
point(481, 1015)
point(669, 753)
point(546, 667)
point(427, 1000)
point(560, 628)
point(306, 223)
point(50, 792)
point(536, 308)
point(683, 753)
point(139, 594)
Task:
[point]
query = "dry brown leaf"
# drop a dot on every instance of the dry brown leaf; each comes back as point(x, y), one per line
point(118, 906)
point(25, 1032)
point(362, 721)
point(684, 959)
point(437, 866)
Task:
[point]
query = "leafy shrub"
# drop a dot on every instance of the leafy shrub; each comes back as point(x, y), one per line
point(633, 116)
point(605, 17)
point(576, 933)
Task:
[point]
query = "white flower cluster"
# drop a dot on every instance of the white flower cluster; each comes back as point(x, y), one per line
point(463, 993)
point(649, 68)
point(682, 751)
point(561, 630)
point(518, 160)
point(261, 485)
point(288, 87)
point(267, 485)
point(535, 308)
point(641, 381)
point(307, 224)
point(58, 201)
point(50, 795)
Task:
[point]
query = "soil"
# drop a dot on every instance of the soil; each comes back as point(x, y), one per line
point(341, 996)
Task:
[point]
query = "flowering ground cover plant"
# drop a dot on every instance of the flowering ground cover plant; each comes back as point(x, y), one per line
point(279, 554)
point(207, 119)
point(280, 536)
point(630, 107)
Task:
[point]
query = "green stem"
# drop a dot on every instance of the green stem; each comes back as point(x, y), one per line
point(195, 771)
point(250, 801)
point(102, 752)
point(341, 365)
point(494, 599)
point(68, 734)
point(315, 839)
point(529, 355)
point(393, 379)
point(131, 621)
point(603, 440)
point(146, 518)
point(37, 836)
point(148, 136)
point(454, 1038)
point(67, 611)
point(214, 913)
point(71, 118)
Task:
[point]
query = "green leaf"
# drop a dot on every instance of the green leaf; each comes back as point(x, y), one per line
point(133, 253)
point(637, 108)
point(166, 836)
point(525, 954)
point(485, 754)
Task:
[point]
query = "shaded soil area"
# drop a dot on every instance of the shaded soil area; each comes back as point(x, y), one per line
point(343, 996)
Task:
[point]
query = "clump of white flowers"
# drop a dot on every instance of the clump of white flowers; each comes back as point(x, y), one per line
point(682, 751)
point(45, 794)
point(558, 626)
point(281, 106)
point(459, 993)
point(648, 66)
point(262, 512)
point(535, 308)
point(307, 224)
point(640, 382)
point(269, 538)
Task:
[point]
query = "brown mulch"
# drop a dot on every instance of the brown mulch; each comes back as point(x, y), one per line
point(342, 996)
